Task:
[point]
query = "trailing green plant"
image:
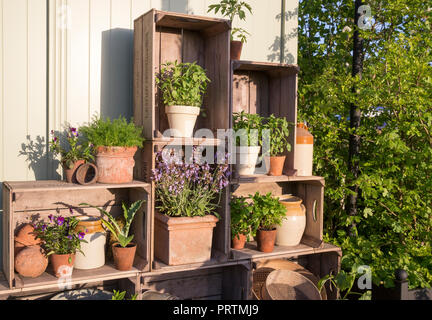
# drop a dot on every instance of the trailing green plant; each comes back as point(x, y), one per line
point(113, 133)
point(70, 148)
point(278, 135)
point(59, 235)
point(392, 227)
point(248, 128)
point(232, 9)
point(120, 233)
point(117, 295)
point(182, 83)
point(267, 212)
point(241, 214)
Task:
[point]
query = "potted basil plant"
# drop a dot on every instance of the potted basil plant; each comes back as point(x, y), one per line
point(115, 142)
point(278, 129)
point(123, 249)
point(267, 214)
point(183, 86)
point(241, 213)
point(232, 9)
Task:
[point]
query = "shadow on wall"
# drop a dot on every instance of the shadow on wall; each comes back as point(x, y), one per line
point(117, 73)
point(39, 159)
point(290, 34)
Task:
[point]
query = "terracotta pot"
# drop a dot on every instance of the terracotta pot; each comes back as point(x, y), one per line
point(71, 173)
point(182, 120)
point(276, 165)
point(123, 257)
point(183, 240)
point(31, 262)
point(94, 249)
point(115, 164)
point(266, 240)
point(290, 232)
point(239, 241)
point(236, 49)
point(62, 264)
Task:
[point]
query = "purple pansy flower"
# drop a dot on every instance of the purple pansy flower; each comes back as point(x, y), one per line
point(81, 235)
point(60, 221)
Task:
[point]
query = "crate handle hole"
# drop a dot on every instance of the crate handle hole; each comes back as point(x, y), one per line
point(314, 210)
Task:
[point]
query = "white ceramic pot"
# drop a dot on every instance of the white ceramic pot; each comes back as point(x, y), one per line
point(182, 120)
point(246, 159)
point(293, 225)
point(94, 249)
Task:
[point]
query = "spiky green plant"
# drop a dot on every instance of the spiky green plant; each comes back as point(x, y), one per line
point(119, 233)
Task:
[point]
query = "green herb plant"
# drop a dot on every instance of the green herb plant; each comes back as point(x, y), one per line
point(117, 295)
point(241, 214)
point(248, 128)
point(113, 133)
point(182, 83)
point(120, 234)
point(232, 9)
point(278, 134)
point(267, 212)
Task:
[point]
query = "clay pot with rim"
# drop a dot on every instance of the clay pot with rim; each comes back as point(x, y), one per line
point(239, 241)
point(236, 49)
point(266, 240)
point(62, 264)
point(183, 240)
point(123, 257)
point(70, 173)
point(115, 164)
point(276, 165)
point(182, 120)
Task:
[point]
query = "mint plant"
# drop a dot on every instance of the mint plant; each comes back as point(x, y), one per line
point(241, 214)
point(267, 212)
point(248, 127)
point(279, 132)
point(182, 83)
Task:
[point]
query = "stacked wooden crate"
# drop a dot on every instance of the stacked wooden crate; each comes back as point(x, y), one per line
point(255, 87)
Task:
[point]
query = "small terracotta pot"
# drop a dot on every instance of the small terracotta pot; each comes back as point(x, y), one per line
point(239, 241)
point(71, 173)
point(87, 174)
point(115, 164)
point(266, 240)
point(236, 49)
point(276, 165)
point(62, 264)
point(123, 257)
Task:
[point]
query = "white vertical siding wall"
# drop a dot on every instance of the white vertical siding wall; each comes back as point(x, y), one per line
point(64, 60)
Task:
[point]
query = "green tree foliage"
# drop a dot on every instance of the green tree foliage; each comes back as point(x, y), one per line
point(394, 220)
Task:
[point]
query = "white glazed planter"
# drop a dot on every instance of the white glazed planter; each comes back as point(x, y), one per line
point(246, 159)
point(94, 249)
point(182, 120)
point(290, 232)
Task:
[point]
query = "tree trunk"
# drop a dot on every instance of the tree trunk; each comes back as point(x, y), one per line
point(355, 117)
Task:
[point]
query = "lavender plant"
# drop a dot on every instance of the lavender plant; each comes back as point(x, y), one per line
point(187, 188)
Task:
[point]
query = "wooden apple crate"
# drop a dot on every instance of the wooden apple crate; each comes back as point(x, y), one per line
point(27, 202)
point(227, 281)
point(145, 162)
point(267, 88)
point(160, 37)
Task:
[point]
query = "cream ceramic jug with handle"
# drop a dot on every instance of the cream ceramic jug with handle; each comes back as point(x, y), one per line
point(293, 225)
